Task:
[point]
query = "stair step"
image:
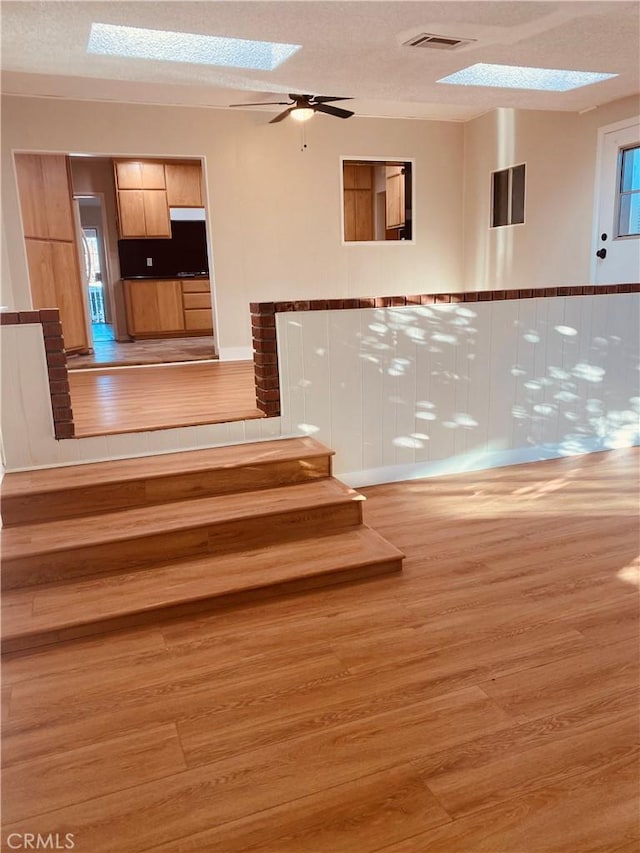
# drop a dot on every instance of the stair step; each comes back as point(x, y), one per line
point(55, 612)
point(80, 490)
point(70, 548)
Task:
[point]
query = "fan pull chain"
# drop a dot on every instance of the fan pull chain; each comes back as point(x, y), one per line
point(303, 137)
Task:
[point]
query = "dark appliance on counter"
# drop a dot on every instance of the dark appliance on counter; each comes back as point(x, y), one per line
point(184, 255)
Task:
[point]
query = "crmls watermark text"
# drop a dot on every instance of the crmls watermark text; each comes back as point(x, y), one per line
point(37, 841)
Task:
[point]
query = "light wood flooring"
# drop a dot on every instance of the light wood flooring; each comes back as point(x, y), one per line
point(115, 400)
point(484, 701)
point(108, 353)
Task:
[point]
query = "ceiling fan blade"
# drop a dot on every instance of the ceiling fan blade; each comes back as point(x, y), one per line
point(281, 115)
point(263, 104)
point(332, 111)
point(321, 99)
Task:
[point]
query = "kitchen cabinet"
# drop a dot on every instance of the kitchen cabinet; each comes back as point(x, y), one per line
point(159, 308)
point(358, 201)
point(196, 299)
point(143, 213)
point(45, 196)
point(154, 308)
point(184, 184)
point(140, 175)
point(395, 197)
point(143, 208)
point(48, 224)
point(54, 276)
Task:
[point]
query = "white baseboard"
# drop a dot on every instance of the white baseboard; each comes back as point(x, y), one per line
point(469, 462)
point(235, 353)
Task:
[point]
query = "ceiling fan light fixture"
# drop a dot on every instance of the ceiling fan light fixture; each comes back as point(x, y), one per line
point(301, 113)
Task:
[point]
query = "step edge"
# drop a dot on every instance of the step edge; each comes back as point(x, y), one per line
point(342, 500)
point(195, 599)
point(312, 453)
point(361, 531)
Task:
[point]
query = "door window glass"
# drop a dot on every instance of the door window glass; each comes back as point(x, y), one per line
point(629, 218)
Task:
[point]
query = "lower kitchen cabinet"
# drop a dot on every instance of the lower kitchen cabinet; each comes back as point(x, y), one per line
point(163, 308)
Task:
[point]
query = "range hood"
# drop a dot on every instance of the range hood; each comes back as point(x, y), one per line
point(187, 214)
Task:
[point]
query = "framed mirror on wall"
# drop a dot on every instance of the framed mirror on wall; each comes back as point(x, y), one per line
point(377, 199)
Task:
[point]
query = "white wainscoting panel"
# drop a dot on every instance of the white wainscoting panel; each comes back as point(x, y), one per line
point(419, 390)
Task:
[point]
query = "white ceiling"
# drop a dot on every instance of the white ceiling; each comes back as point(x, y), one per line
point(349, 49)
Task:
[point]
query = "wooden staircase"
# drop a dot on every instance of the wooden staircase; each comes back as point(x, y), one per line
point(96, 547)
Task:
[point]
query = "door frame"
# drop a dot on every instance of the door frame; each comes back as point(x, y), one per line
point(107, 283)
point(600, 150)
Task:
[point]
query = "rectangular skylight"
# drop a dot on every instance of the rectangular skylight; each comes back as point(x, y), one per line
point(140, 43)
point(521, 77)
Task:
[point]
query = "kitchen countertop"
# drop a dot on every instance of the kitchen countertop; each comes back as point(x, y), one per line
point(189, 277)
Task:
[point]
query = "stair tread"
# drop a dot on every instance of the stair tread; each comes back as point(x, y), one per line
point(54, 607)
point(46, 537)
point(51, 480)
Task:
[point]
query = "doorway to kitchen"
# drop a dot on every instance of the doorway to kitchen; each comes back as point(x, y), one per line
point(148, 289)
point(95, 269)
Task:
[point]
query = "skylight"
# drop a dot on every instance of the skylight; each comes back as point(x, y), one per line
point(112, 40)
point(520, 77)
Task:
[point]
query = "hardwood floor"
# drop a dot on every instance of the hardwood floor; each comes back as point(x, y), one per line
point(108, 353)
point(114, 400)
point(484, 700)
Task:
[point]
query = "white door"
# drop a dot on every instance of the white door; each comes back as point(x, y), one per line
point(617, 240)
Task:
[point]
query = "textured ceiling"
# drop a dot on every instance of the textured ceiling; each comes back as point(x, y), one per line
point(348, 48)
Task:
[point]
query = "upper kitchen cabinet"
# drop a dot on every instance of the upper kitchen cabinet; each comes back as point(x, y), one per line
point(184, 184)
point(45, 198)
point(140, 175)
point(143, 207)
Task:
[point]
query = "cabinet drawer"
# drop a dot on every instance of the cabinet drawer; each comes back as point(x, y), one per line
point(196, 300)
point(200, 285)
point(198, 318)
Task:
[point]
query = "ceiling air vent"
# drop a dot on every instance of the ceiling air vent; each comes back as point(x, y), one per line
point(436, 42)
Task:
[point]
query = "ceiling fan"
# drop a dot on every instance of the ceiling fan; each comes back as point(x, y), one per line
point(302, 107)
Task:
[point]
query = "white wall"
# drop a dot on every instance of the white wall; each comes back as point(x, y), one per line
point(274, 211)
point(399, 393)
point(553, 247)
point(406, 392)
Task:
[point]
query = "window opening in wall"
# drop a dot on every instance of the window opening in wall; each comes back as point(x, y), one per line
point(507, 196)
point(629, 192)
point(377, 200)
